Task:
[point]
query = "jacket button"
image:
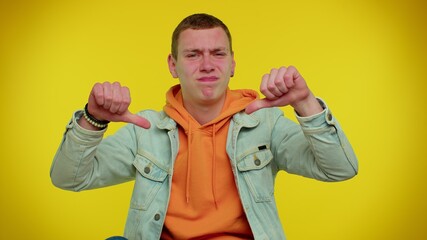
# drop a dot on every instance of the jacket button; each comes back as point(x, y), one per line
point(257, 162)
point(147, 170)
point(329, 116)
point(157, 217)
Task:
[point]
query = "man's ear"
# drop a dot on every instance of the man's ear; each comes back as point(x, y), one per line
point(172, 66)
point(233, 65)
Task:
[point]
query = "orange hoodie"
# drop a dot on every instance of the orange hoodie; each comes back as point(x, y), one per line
point(204, 201)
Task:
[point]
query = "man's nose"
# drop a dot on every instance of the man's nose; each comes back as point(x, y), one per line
point(206, 64)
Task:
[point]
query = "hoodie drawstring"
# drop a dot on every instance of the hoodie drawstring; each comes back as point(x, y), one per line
point(214, 164)
point(187, 185)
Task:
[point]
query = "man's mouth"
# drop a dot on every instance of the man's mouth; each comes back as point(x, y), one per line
point(207, 79)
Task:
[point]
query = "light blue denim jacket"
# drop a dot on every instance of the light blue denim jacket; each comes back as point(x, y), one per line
point(258, 146)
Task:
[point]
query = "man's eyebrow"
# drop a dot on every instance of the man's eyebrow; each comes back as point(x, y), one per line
point(191, 50)
point(201, 50)
point(219, 49)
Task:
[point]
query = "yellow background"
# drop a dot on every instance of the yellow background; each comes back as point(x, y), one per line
point(365, 58)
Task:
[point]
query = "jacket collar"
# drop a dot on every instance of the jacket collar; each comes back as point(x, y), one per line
point(166, 122)
point(245, 120)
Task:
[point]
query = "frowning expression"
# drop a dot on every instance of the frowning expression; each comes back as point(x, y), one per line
point(204, 64)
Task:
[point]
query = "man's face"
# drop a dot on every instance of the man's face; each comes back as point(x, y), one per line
point(203, 65)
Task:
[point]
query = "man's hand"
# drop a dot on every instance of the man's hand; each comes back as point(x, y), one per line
point(285, 86)
point(110, 102)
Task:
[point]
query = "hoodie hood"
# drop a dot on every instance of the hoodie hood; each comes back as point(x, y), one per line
point(235, 101)
point(199, 144)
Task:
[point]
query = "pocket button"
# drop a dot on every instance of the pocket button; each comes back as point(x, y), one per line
point(147, 170)
point(257, 162)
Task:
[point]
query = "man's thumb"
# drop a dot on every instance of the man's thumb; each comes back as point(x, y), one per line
point(258, 104)
point(137, 120)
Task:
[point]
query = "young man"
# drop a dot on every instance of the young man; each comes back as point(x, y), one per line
point(204, 167)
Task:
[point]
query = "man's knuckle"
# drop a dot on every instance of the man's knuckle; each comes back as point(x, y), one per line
point(126, 101)
point(116, 101)
point(99, 94)
point(108, 98)
point(263, 88)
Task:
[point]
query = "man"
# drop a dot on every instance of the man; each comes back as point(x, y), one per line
point(204, 167)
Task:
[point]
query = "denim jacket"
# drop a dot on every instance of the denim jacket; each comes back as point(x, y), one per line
point(258, 146)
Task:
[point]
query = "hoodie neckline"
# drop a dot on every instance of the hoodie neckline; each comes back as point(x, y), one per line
point(235, 102)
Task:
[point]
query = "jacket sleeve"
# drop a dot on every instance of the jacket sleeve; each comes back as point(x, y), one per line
point(84, 160)
point(316, 148)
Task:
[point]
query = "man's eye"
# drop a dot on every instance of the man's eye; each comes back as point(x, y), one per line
point(220, 54)
point(192, 55)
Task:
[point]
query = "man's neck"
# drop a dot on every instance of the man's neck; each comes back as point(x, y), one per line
point(204, 113)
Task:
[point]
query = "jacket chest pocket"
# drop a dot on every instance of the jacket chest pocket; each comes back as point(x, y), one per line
point(148, 181)
point(255, 168)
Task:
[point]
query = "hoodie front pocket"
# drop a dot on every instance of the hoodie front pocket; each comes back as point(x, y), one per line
point(256, 171)
point(148, 181)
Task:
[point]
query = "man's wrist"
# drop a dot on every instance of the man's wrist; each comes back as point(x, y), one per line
point(308, 107)
point(83, 122)
point(94, 121)
point(82, 128)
